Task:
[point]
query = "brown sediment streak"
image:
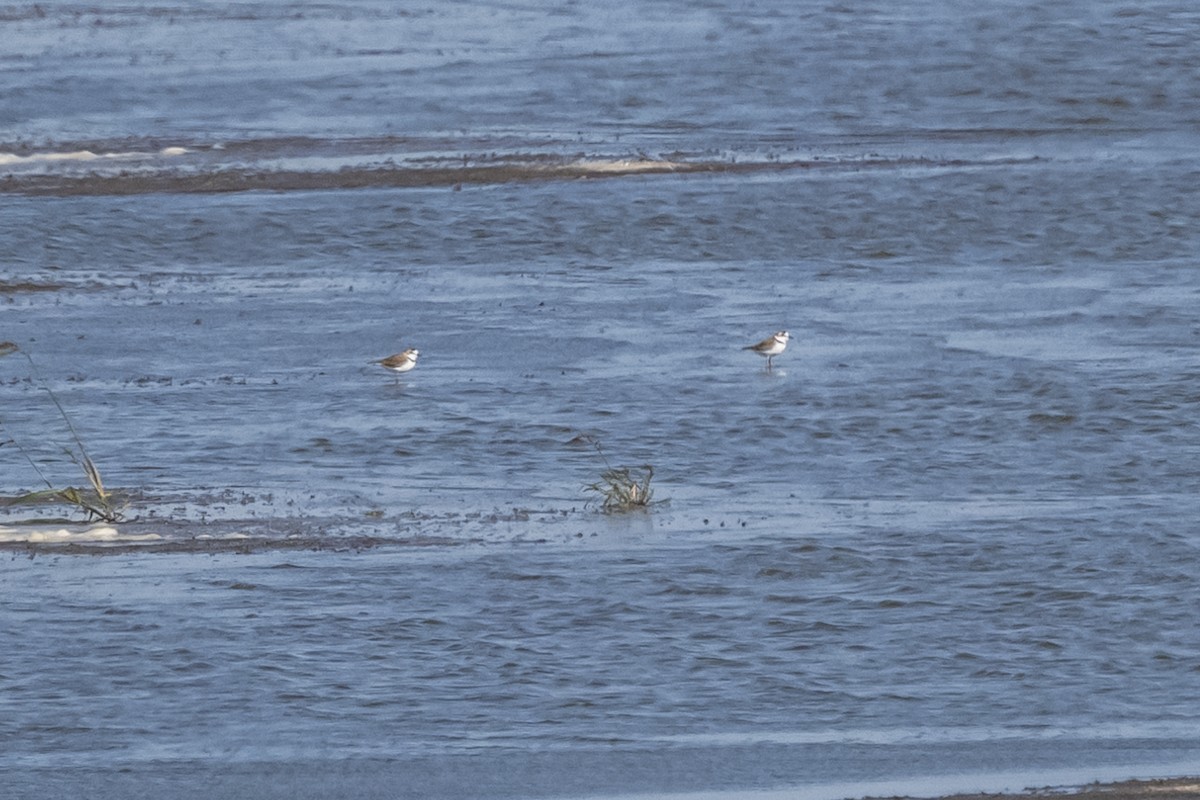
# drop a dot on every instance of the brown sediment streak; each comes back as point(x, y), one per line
point(241, 545)
point(12, 287)
point(246, 180)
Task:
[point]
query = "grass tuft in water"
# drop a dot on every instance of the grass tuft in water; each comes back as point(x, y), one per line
point(621, 488)
point(98, 503)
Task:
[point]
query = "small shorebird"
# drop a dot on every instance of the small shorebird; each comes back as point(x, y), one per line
point(400, 362)
point(771, 346)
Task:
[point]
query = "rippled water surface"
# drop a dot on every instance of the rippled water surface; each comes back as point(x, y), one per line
point(951, 534)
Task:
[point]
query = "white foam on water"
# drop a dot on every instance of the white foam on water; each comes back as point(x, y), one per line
point(14, 159)
point(69, 534)
point(602, 166)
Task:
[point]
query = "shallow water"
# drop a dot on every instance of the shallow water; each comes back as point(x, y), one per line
point(947, 537)
point(624, 665)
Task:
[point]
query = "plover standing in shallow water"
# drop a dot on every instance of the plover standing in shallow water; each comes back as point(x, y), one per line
point(771, 346)
point(400, 362)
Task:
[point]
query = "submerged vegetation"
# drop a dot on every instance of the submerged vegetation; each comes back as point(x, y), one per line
point(621, 488)
point(97, 502)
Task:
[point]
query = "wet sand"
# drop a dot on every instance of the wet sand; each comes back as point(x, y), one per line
point(1187, 788)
